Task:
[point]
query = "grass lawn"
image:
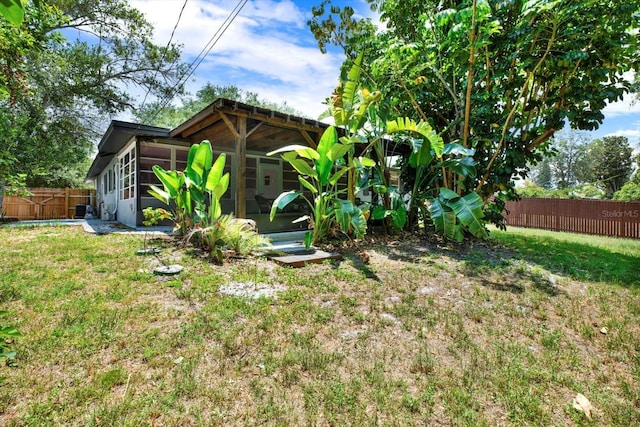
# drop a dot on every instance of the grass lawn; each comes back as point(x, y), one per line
point(504, 332)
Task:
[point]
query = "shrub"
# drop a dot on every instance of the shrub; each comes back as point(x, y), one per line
point(629, 192)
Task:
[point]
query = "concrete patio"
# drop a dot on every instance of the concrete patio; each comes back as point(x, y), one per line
point(288, 242)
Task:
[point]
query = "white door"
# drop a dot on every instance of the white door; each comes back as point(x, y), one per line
point(270, 180)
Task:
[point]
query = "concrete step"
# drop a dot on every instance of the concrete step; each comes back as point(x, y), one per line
point(287, 242)
point(286, 236)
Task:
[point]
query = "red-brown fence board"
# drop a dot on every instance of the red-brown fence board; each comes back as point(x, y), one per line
point(601, 217)
point(47, 203)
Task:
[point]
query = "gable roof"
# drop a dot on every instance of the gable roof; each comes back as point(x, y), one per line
point(266, 129)
point(120, 133)
point(116, 137)
point(266, 115)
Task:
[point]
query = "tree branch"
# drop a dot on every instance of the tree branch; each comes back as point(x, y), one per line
point(472, 60)
point(507, 123)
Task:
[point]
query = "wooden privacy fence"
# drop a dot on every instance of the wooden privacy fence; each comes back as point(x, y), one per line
point(601, 217)
point(48, 203)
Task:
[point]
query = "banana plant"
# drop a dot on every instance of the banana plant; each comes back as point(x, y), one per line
point(351, 106)
point(319, 171)
point(452, 214)
point(357, 110)
point(194, 193)
point(208, 182)
point(177, 195)
point(397, 212)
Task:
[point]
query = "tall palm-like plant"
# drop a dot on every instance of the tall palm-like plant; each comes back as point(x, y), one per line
point(195, 193)
point(319, 171)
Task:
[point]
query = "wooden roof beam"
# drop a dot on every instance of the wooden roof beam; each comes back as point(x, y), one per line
point(229, 124)
point(255, 128)
point(308, 138)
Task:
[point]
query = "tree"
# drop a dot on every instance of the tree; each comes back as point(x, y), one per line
point(629, 192)
point(59, 93)
point(17, 41)
point(170, 116)
point(544, 177)
point(569, 148)
point(607, 162)
point(498, 77)
point(562, 157)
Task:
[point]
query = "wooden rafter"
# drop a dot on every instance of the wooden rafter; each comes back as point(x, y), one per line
point(229, 124)
point(255, 128)
point(308, 138)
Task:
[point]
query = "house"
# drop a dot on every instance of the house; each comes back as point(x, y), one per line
point(122, 168)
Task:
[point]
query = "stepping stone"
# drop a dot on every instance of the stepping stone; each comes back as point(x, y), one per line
point(168, 270)
point(304, 258)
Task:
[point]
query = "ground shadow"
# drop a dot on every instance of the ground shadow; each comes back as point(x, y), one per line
point(578, 261)
point(356, 262)
point(568, 259)
point(514, 288)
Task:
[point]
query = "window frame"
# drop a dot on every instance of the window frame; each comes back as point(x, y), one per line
point(127, 178)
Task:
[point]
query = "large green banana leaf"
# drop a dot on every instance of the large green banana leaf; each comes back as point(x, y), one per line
point(445, 221)
point(422, 128)
point(468, 209)
point(324, 164)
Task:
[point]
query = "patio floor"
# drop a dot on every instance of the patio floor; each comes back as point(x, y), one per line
point(287, 242)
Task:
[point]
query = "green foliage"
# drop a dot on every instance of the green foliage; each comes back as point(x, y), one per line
point(194, 195)
point(497, 77)
point(398, 212)
point(175, 194)
point(320, 172)
point(582, 191)
point(230, 233)
point(12, 11)
point(608, 163)
point(544, 176)
point(452, 214)
point(153, 216)
point(531, 189)
point(239, 237)
point(55, 93)
point(7, 335)
point(629, 192)
point(568, 158)
point(358, 111)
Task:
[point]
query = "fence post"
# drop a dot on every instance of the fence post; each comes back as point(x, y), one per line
point(66, 202)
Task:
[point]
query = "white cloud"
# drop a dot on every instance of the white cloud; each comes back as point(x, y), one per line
point(267, 49)
point(628, 105)
point(629, 133)
point(283, 11)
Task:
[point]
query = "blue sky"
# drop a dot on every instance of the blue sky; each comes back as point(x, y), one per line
point(268, 49)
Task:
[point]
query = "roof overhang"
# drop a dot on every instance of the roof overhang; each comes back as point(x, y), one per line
point(270, 117)
point(116, 137)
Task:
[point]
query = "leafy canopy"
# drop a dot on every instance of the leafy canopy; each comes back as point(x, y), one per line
point(498, 77)
point(607, 162)
point(56, 94)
